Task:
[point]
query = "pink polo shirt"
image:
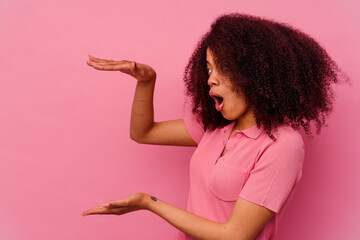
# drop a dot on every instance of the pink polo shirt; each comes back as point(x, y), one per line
point(254, 168)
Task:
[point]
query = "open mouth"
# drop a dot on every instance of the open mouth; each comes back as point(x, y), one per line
point(219, 101)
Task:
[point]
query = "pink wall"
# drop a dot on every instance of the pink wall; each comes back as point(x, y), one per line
point(64, 141)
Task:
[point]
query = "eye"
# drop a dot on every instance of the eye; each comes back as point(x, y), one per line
point(208, 71)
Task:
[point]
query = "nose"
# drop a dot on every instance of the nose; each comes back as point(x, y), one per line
point(212, 81)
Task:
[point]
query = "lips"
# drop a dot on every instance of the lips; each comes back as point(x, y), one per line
point(219, 101)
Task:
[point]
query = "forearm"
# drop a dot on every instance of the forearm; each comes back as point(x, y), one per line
point(142, 113)
point(245, 222)
point(192, 225)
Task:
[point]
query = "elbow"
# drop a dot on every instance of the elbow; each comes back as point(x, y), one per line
point(136, 138)
point(237, 233)
point(140, 135)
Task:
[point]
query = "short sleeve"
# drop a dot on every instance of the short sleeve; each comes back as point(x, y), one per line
point(194, 128)
point(276, 173)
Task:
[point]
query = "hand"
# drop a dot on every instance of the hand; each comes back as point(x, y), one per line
point(128, 204)
point(139, 71)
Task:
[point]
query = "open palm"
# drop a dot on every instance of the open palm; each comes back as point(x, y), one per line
point(141, 72)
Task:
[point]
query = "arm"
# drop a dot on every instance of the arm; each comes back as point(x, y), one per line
point(246, 221)
point(143, 129)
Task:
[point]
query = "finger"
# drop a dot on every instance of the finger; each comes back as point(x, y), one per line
point(92, 58)
point(116, 204)
point(107, 67)
point(109, 62)
point(95, 210)
point(133, 67)
point(90, 63)
point(102, 66)
point(101, 211)
point(123, 66)
point(101, 60)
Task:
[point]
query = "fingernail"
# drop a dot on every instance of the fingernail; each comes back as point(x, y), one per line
point(106, 205)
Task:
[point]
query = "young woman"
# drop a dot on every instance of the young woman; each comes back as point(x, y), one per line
point(253, 83)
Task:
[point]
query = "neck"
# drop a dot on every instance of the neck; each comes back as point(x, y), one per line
point(246, 121)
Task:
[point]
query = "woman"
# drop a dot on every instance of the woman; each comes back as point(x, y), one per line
point(253, 83)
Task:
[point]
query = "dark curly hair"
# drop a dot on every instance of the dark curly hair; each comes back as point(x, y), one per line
point(283, 74)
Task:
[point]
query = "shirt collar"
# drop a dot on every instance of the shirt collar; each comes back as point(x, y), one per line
point(252, 132)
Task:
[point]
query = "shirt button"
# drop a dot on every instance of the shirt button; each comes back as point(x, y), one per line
point(228, 146)
point(239, 135)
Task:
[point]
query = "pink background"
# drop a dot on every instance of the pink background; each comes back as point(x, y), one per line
point(64, 127)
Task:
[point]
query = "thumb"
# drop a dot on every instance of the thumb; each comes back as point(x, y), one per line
point(133, 67)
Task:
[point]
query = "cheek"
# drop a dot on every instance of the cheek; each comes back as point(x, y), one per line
point(239, 109)
point(238, 103)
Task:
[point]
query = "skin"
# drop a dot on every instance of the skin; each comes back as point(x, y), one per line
point(246, 220)
point(235, 107)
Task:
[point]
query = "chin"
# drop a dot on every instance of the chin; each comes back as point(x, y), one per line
point(227, 117)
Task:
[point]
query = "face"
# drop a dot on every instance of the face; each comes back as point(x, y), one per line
point(231, 105)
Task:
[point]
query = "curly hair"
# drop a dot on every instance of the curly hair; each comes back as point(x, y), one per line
point(283, 74)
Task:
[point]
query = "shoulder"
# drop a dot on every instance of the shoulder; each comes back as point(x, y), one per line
point(194, 127)
point(287, 135)
point(289, 144)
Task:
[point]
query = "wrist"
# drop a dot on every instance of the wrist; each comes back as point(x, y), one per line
point(148, 81)
point(146, 76)
point(148, 201)
point(145, 201)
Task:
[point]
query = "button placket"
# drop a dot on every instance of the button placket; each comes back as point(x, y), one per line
point(232, 140)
